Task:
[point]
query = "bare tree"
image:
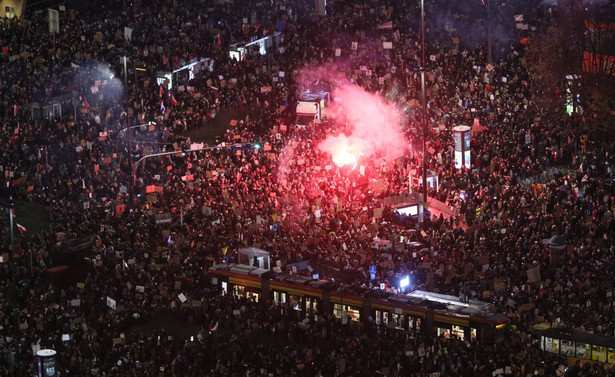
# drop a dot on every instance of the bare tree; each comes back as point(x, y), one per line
point(574, 59)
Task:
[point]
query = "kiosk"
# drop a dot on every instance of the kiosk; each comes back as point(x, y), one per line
point(46, 363)
point(462, 147)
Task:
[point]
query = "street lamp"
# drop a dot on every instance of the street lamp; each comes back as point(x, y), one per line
point(424, 105)
point(129, 131)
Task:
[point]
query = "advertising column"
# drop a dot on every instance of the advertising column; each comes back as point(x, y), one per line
point(462, 146)
point(46, 363)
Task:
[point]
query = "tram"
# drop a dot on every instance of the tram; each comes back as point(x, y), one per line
point(575, 345)
point(417, 311)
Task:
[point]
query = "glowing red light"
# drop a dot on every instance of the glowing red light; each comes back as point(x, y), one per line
point(344, 157)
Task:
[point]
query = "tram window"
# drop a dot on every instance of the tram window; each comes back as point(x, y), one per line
point(378, 317)
point(555, 346)
point(396, 320)
point(551, 345)
point(281, 298)
point(385, 318)
point(224, 286)
point(567, 348)
point(252, 295)
point(458, 332)
point(417, 326)
point(445, 332)
point(353, 313)
point(473, 333)
point(311, 306)
point(239, 290)
point(599, 353)
point(337, 310)
point(295, 302)
point(583, 350)
point(350, 311)
point(611, 356)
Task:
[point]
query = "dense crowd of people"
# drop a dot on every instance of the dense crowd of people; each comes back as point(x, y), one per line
point(536, 173)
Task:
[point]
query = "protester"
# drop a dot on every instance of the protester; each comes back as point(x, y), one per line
point(79, 166)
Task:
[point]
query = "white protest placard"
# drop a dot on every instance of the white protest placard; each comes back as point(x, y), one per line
point(182, 298)
point(387, 45)
point(354, 46)
point(75, 302)
point(338, 52)
point(111, 303)
point(127, 33)
point(140, 288)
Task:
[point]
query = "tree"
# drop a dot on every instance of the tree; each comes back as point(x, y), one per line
point(573, 60)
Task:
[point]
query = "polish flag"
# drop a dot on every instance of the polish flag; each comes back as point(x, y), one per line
point(21, 228)
point(385, 26)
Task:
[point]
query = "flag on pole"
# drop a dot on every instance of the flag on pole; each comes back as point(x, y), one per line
point(385, 26)
point(162, 108)
point(396, 35)
point(161, 92)
point(219, 42)
point(214, 327)
point(174, 101)
point(15, 110)
point(21, 228)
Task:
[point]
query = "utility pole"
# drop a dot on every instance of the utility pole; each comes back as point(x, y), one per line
point(424, 104)
point(129, 131)
point(489, 31)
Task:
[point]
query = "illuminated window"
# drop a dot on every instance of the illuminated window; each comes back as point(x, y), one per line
point(583, 350)
point(445, 332)
point(311, 306)
point(295, 302)
point(378, 317)
point(416, 324)
point(279, 297)
point(353, 313)
point(567, 348)
point(458, 332)
point(611, 356)
point(599, 353)
point(253, 295)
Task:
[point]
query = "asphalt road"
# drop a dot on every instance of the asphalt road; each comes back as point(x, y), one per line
point(219, 125)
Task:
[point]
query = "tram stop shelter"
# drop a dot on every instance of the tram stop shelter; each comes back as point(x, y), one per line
point(254, 256)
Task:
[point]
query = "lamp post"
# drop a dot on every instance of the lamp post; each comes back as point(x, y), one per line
point(424, 105)
point(489, 31)
point(12, 251)
point(129, 131)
